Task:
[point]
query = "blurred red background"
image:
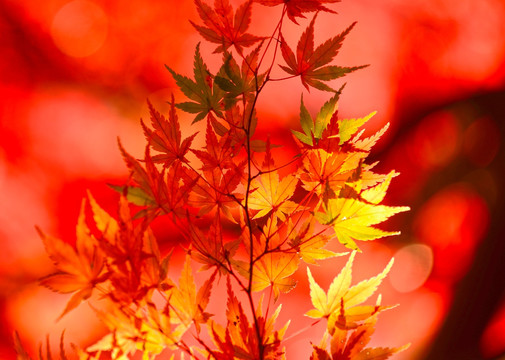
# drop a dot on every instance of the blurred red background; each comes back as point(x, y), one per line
point(74, 76)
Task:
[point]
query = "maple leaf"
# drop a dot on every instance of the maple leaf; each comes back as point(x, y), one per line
point(348, 127)
point(216, 191)
point(272, 266)
point(345, 346)
point(176, 189)
point(309, 64)
point(340, 292)
point(125, 253)
point(148, 181)
point(322, 171)
point(132, 330)
point(271, 338)
point(132, 255)
point(242, 124)
point(274, 269)
point(269, 194)
point(205, 96)
point(79, 269)
point(22, 354)
point(210, 248)
point(237, 81)
point(157, 189)
point(308, 245)
point(188, 305)
point(352, 217)
point(296, 8)
point(341, 135)
point(240, 340)
point(367, 143)
point(166, 137)
point(219, 153)
point(224, 28)
point(351, 318)
point(233, 339)
point(154, 269)
point(313, 128)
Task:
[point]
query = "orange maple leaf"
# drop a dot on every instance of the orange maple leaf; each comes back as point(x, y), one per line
point(166, 137)
point(188, 305)
point(239, 339)
point(322, 170)
point(79, 269)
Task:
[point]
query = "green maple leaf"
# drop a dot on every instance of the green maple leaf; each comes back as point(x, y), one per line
point(313, 128)
point(205, 96)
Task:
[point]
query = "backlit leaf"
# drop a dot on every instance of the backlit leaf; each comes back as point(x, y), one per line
point(353, 219)
point(311, 65)
point(205, 96)
point(224, 28)
point(340, 291)
point(297, 8)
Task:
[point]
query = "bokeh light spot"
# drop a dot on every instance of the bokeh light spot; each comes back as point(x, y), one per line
point(413, 264)
point(79, 28)
point(436, 141)
point(493, 340)
point(453, 222)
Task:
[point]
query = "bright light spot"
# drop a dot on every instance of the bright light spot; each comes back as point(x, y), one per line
point(453, 222)
point(413, 264)
point(79, 28)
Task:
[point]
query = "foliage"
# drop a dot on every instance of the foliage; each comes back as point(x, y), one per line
point(280, 219)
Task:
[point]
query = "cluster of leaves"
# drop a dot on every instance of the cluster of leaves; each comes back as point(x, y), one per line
point(280, 220)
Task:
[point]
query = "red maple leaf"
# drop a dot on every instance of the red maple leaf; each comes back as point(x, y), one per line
point(311, 65)
point(223, 27)
point(166, 137)
point(296, 8)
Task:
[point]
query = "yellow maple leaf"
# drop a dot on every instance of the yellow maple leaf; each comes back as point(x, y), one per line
point(352, 217)
point(309, 245)
point(367, 143)
point(188, 305)
point(272, 269)
point(136, 330)
point(272, 265)
point(348, 127)
point(340, 291)
point(270, 194)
